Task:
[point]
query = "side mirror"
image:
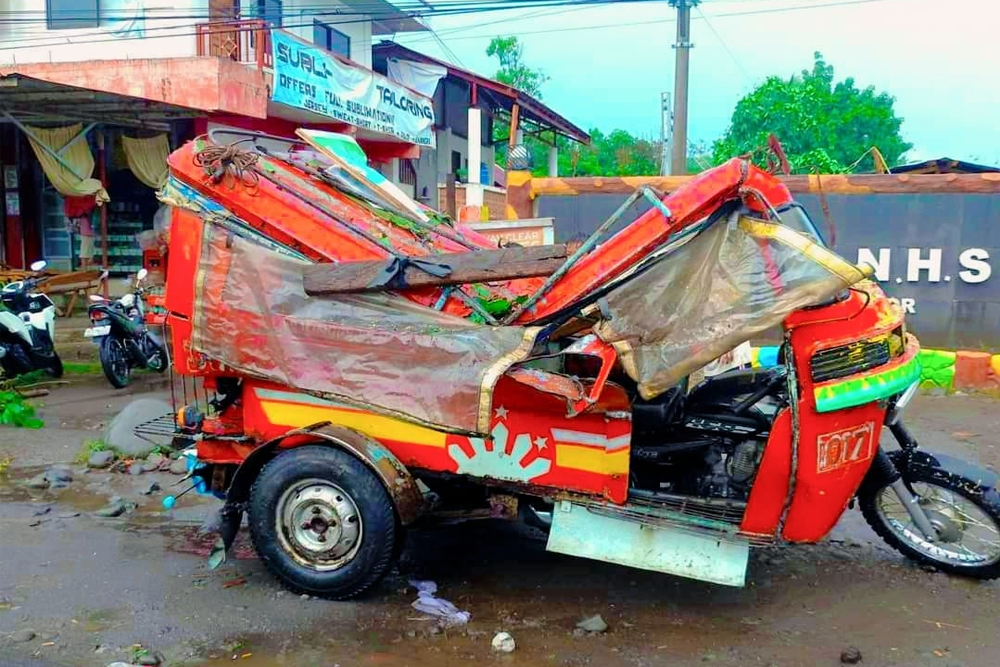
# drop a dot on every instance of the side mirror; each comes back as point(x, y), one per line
point(39, 265)
point(141, 275)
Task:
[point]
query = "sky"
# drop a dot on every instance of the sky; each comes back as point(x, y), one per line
point(940, 60)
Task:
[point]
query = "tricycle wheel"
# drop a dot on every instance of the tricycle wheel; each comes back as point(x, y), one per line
point(967, 522)
point(322, 522)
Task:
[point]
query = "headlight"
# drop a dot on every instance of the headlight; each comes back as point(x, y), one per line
point(896, 411)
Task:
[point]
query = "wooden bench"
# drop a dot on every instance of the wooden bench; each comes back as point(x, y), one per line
point(74, 284)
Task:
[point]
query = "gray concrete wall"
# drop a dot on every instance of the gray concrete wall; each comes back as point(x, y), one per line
point(937, 253)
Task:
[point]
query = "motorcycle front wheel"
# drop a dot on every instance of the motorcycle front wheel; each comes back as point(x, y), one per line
point(114, 362)
point(967, 523)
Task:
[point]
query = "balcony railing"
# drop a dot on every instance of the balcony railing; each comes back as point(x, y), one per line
point(244, 41)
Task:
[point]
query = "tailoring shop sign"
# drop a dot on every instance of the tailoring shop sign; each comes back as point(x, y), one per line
point(308, 77)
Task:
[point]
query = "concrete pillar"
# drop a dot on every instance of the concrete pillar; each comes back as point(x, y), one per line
point(553, 161)
point(474, 188)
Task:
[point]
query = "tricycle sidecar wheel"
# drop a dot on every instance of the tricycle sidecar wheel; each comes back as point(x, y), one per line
point(322, 522)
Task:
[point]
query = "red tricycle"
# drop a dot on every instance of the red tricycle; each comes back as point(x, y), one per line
point(375, 365)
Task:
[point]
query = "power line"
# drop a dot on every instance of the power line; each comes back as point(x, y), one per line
point(602, 26)
point(223, 26)
point(722, 42)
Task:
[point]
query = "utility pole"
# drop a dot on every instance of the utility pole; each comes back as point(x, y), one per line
point(666, 133)
point(681, 61)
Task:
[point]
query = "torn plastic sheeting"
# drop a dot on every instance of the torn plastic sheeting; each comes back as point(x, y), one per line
point(734, 280)
point(374, 350)
point(428, 603)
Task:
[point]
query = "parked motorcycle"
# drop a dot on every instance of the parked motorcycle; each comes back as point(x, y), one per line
point(27, 328)
point(125, 342)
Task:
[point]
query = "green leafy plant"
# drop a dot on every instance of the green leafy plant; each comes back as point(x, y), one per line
point(89, 447)
point(16, 411)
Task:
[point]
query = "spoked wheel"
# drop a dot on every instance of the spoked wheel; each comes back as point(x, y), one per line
point(967, 523)
point(322, 522)
point(114, 362)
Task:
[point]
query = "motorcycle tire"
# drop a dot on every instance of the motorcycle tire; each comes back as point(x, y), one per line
point(16, 361)
point(158, 359)
point(114, 362)
point(315, 488)
point(914, 547)
point(55, 365)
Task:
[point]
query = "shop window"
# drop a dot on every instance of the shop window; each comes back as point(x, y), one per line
point(69, 14)
point(270, 11)
point(407, 174)
point(331, 39)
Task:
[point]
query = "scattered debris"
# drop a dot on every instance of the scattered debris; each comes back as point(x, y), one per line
point(941, 625)
point(116, 507)
point(178, 467)
point(594, 624)
point(22, 636)
point(503, 643)
point(101, 459)
point(153, 462)
point(153, 659)
point(238, 581)
point(153, 488)
point(850, 655)
point(38, 482)
point(431, 605)
point(43, 511)
point(67, 515)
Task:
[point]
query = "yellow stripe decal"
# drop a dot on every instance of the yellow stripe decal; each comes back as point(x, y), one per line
point(590, 459)
point(297, 415)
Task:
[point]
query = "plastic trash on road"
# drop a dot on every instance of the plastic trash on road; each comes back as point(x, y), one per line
point(428, 603)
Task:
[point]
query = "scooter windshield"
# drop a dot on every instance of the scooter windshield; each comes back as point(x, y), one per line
point(734, 280)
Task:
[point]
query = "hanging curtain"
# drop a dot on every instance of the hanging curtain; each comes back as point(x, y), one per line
point(67, 182)
point(147, 158)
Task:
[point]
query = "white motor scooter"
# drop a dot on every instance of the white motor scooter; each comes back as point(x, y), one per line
point(27, 328)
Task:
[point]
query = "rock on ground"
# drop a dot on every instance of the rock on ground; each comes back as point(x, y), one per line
point(120, 434)
point(504, 643)
point(100, 459)
point(593, 624)
point(178, 467)
point(22, 636)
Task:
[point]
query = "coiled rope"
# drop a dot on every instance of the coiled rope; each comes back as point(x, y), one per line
point(231, 165)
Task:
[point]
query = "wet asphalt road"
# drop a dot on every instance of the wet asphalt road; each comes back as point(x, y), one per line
point(98, 587)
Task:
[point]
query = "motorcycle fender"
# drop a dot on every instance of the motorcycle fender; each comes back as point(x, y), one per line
point(944, 467)
point(15, 325)
point(397, 480)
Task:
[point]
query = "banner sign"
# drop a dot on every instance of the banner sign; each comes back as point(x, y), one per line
point(311, 78)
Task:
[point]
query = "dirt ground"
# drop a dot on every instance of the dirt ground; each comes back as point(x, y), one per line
point(92, 589)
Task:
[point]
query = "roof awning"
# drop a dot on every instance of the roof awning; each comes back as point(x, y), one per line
point(131, 93)
point(501, 96)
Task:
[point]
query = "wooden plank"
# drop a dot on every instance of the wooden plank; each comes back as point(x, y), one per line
point(831, 184)
point(482, 266)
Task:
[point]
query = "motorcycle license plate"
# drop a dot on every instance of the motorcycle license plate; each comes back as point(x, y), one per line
point(93, 332)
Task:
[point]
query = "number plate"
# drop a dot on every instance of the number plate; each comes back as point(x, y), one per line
point(93, 332)
point(842, 448)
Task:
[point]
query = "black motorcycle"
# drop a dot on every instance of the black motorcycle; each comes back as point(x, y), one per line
point(125, 342)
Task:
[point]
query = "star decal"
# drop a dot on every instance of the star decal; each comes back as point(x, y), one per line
point(541, 443)
point(501, 412)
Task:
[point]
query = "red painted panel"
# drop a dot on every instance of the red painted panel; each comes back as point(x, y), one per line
point(770, 489)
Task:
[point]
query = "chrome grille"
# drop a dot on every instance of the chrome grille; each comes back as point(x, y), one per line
point(857, 357)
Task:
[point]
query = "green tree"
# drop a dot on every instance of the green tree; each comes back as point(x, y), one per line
point(513, 71)
point(823, 125)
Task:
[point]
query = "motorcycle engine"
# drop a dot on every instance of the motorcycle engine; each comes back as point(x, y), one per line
point(729, 471)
